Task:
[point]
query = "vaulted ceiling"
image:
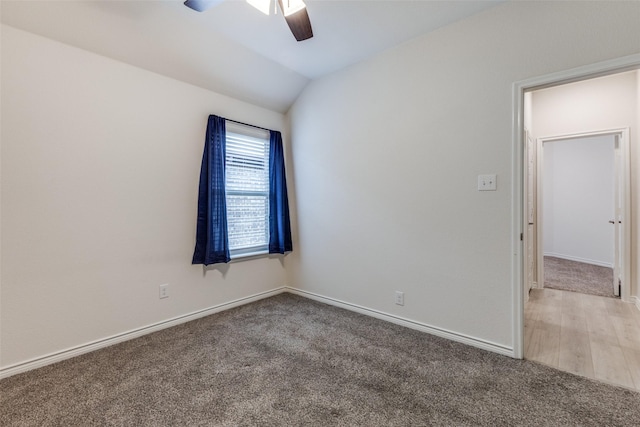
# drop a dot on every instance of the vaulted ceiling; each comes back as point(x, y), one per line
point(233, 48)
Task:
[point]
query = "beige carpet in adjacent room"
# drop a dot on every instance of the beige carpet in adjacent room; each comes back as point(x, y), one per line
point(574, 276)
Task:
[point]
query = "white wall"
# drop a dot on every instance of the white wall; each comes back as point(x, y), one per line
point(100, 167)
point(609, 102)
point(387, 154)
point(578, 199)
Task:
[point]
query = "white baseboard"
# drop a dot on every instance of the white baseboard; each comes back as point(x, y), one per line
point(636, 302)
point(125, 336)
point(578, 259)
point(433, 330)
point(135, 333)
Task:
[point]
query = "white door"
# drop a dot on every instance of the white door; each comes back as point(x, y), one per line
point(530, 219)
point(618, 216)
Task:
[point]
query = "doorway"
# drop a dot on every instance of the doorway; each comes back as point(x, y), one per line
point(569, 104)
point(588, 335)
point(582, 211)
point(521, 123)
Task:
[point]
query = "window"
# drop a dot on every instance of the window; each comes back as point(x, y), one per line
point(243, 208)
point(247, 189)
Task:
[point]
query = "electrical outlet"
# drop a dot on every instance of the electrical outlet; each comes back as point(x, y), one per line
point(399, 298)
point(164, 291)
point(487, 182)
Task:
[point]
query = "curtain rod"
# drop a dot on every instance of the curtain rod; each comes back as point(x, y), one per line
point(247, 124)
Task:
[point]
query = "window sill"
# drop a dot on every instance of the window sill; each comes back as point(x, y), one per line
point(249, 255)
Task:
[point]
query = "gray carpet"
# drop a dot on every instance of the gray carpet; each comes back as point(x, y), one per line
point(289, 361)
point(576, 276)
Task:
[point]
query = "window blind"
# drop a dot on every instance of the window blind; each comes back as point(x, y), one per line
point(247, 188)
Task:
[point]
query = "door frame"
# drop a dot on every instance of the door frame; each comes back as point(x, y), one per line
point(624, 173)
point(627, 63)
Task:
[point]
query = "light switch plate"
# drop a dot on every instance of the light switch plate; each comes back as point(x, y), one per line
point(487, 182)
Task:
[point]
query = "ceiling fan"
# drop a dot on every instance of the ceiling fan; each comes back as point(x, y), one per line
point(294, 11)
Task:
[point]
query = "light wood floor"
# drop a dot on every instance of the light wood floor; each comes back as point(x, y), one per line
point(596, 337)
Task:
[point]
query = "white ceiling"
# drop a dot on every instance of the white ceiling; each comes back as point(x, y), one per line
point(233, 48)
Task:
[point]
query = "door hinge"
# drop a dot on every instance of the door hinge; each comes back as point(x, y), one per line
point(521, 236)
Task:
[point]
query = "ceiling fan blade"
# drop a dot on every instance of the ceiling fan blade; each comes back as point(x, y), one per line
point(201, 5)
point(299, 23)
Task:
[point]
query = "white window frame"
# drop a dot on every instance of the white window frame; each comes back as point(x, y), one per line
point(234, 130)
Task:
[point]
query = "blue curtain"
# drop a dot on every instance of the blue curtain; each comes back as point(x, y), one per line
point(279, 224)
point(212, 242)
